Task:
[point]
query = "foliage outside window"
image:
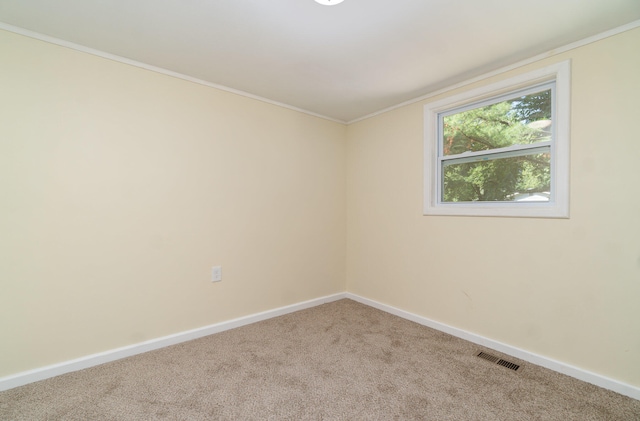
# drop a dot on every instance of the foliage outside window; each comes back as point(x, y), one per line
point(498, 152)
point(501, 150)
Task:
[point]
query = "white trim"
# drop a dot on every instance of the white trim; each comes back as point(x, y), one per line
point(558, 366)
point(554, 52)
point(124, 60)
point(534, 59)
point(42, 373)
point(506, 152)
point(558, 207)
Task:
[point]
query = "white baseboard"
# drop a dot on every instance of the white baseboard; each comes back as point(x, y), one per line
point(42, 373)
point(569, 370)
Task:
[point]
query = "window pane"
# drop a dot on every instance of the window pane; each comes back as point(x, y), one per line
point(514, 179)
point(521, 120)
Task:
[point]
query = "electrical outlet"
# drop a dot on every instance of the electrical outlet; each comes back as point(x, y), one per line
point(216, 274)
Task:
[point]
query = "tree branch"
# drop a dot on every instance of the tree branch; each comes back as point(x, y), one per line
point(475, 139)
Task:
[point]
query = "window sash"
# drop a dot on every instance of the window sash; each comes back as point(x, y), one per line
point(507, 152)
point(532, 152)
point(443, 160)
point(546, 86)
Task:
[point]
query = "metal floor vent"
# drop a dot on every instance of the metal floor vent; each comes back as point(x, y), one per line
point(499, 361)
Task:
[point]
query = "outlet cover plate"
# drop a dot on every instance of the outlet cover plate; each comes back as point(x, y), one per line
point(216, 274)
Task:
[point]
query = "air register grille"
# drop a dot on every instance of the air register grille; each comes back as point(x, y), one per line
point(498, 361)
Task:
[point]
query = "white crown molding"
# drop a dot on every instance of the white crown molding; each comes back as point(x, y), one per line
point(539, 57)
point(124, 60)
point(30, 376)
point(558, 366)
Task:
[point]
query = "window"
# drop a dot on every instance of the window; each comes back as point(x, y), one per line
point(501, 150)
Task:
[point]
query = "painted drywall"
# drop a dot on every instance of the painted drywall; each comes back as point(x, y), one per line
point(120, 188)
point(565, 289)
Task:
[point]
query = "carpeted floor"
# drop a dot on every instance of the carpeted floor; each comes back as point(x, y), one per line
point(338, 361)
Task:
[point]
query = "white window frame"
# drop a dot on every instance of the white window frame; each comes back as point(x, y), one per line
point(558, 205)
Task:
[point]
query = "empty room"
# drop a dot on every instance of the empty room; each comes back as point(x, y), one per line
point(319, 210)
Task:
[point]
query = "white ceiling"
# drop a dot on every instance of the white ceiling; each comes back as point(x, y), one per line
point(343, 61)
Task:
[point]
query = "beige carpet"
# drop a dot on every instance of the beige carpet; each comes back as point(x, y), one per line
point(338, 361)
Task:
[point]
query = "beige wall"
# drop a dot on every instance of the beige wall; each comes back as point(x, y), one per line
point(567, 289)
point(121, 187)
